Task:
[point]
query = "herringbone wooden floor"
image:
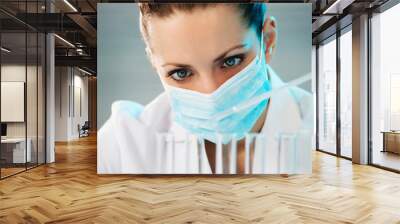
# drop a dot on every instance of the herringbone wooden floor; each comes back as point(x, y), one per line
point(70, 191)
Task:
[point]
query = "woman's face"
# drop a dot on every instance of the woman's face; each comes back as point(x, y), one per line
point(200, 50)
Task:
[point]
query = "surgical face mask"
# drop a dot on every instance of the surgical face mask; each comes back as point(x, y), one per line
point(196, 112)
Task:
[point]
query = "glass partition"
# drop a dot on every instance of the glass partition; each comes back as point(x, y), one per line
point(31, 100)
point(13, 105)
point(22, 88)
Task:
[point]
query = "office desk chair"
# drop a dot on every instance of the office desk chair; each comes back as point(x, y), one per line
point(84, 130)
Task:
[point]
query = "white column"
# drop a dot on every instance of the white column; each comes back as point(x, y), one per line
point(50, 92)
point(50, 99)
point(360, 90)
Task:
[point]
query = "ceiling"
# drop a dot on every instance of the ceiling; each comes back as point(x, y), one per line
point(76, 22)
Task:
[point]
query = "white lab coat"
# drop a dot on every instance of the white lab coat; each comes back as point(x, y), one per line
point(127, 142)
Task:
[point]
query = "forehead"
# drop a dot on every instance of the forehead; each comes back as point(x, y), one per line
point(201, 32)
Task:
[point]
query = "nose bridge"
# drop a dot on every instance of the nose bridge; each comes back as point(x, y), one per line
point(209, 81)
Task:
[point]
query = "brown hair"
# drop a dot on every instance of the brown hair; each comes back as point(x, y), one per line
point(252, 13)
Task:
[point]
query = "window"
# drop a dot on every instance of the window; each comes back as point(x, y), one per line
point(385, 89)
point(346, 93)
point(327, 96)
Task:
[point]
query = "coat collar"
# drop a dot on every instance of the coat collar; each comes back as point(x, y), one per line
point(283, 114)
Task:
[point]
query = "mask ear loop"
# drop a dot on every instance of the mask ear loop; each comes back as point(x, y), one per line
point(262, 44)
point(262, 54)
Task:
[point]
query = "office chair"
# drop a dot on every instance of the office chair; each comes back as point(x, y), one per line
point(84, 130)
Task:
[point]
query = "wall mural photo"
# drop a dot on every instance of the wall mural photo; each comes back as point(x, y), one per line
point(204, 88)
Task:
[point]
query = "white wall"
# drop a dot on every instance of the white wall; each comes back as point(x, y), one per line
point(79, 117)
point(61, 103)
point(16, 73)
point(314, 91)
point(69, 82)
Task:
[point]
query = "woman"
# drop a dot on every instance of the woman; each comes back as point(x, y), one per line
point(210, 57)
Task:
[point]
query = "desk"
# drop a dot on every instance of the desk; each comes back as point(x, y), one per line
point(391, 141)
point(15, 148)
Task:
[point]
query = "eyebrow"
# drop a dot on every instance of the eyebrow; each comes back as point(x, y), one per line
point(221, 56)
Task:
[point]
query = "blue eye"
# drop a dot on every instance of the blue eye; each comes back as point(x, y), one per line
point(180, 74)
point(232, 61)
